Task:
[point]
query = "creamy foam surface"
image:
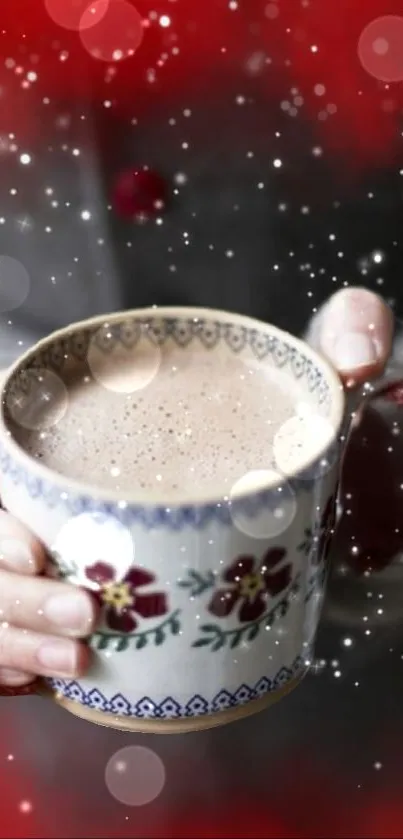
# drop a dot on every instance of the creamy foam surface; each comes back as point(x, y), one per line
point(197, 427)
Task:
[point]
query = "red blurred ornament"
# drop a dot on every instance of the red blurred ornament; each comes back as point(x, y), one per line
point(393, 393)
point(140, 193)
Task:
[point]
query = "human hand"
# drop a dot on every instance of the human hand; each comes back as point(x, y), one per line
point(45, 621)
point(42, 621)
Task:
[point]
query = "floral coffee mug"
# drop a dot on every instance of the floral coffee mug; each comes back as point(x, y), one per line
point(209, 604)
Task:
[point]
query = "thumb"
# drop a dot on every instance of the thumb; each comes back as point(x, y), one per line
point(354, 330)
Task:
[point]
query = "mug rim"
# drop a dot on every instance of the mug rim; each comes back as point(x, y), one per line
point(143, 499)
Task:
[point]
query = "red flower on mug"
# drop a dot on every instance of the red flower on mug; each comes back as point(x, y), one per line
point(251, 584)
point(120, 599)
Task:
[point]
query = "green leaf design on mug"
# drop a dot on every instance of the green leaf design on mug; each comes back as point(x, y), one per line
point(63, 568)
point(237, 638)
point(198, 583)
point(220, 642)
point(103, 643)
point(211, 634)
point(306, 546)
point(202, 642)
point(253, 632)
point(159, 636)
point(175, 624)
point(119, 642)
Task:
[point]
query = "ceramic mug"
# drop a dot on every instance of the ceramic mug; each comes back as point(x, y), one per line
point(209, 605)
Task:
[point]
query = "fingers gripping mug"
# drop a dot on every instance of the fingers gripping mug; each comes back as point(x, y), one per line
point(182, 465)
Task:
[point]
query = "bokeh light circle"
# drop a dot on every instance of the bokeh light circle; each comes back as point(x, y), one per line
point(76, 15)
point(15, 283)
point(90, 538)
point(41, 403)
point(380, 48)
point(299, 439)
point(119, 368)
point(116, 36)
point(135, 776)
point(272, 518)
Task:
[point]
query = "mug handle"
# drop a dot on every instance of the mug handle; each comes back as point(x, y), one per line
point(391, 391)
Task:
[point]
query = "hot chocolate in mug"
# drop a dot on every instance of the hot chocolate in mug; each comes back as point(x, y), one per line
point(182, 464)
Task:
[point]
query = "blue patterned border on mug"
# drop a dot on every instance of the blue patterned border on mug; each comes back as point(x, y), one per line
point(159, 329)
point(170, 708)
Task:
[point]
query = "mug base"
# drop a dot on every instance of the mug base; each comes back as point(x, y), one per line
point(181, 726)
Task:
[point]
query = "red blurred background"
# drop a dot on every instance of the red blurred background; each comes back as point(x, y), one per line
point(310, 43)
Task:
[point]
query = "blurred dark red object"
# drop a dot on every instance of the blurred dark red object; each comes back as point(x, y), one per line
point(140, 193)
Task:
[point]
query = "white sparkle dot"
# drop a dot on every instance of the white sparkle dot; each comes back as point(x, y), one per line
point(165, 21)
point(277, 163)
point(85, 215)
point(25, 159)
point(377, 257)
point(180, 178)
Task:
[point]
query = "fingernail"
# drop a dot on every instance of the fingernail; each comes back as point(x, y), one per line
point(353, 350)
point(16, 555)
point(72, 612)
point(58, 657)
point(356, 329)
